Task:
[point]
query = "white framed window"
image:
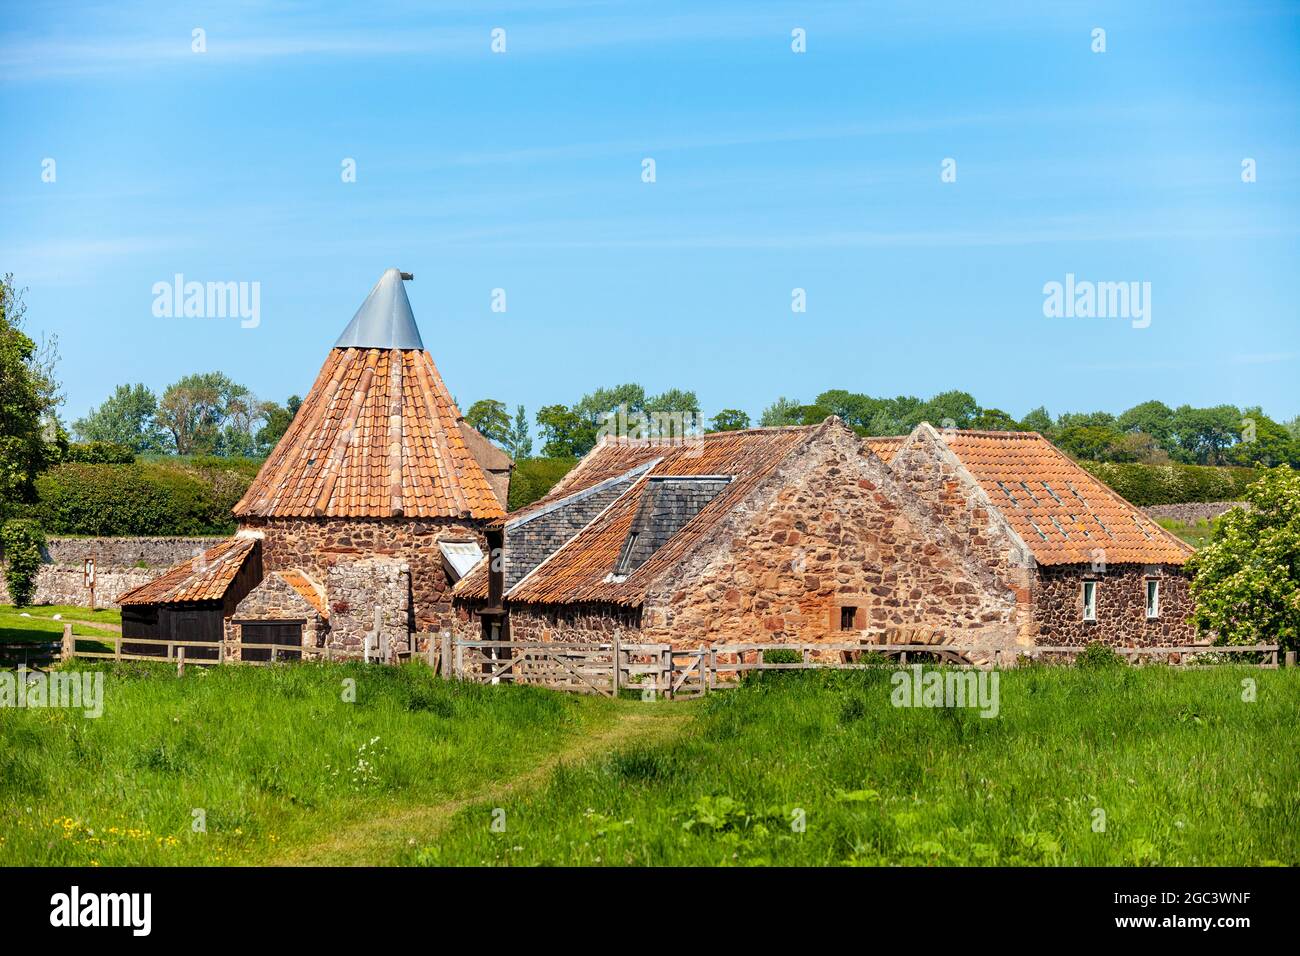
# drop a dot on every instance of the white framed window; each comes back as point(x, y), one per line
point(1153, 598)
point(1090, 600)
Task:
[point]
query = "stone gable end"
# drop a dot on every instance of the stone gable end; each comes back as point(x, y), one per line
point(274, 600)
point(830, 529)
point(930, 470)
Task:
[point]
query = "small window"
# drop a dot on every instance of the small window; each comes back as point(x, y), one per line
point(1153, 598)
point(847, 614)
point(1090, 600)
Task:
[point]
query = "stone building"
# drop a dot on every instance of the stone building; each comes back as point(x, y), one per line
point(989, 540)
point(373, 502)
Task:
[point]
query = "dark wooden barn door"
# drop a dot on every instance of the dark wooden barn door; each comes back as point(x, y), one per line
point(287, 634)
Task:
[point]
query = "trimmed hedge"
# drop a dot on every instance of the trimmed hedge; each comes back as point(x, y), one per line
point(160, 497)
point(534, 477)
point(1145, 485)
point(99, 453)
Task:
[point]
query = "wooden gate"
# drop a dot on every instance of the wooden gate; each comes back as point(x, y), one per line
point(586, 668)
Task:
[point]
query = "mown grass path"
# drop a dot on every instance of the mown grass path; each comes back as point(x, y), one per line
point(379, 840)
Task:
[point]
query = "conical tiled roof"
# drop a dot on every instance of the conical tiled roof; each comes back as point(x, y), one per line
point(378, 435)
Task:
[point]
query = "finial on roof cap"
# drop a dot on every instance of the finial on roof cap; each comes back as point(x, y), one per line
point(385, 319)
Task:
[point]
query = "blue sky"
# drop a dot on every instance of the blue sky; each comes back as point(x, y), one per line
point(775, 170)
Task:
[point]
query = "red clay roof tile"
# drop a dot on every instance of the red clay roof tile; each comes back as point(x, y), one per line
point(203, 578)
point(378, 436)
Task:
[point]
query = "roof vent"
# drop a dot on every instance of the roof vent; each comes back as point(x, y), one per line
point(385, 319)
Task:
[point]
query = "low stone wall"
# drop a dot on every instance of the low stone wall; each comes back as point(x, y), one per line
point(126, 552)
point(120, 564)
point(1193, 511)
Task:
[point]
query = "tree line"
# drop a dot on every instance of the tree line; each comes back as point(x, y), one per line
point(1149, 433)
point(206, 413)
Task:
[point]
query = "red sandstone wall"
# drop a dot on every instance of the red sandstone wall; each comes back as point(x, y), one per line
point(935, 474)
point(831, 528)
point(316, 544)
point(1121, 606)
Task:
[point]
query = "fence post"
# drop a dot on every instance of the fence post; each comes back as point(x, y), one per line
point(444, 663)
point(180, 662)
point(117, 647)
point(666, 670)
point(1290, 658)
point(617, 663)
point(69, 643)
point(712, 674)
point(459, 670)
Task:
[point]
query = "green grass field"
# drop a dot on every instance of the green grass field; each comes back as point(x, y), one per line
point(1185, 772)
point(274, 757)
point(284, 770)
point(37, 623)
point(1195, 533)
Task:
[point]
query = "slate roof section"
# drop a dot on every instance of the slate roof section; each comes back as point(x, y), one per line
point(610, 459)
point(1063, 513)
point(667, 504)
point(581, 570)
point(378, 436)
point(203, 578)
point(536, 532)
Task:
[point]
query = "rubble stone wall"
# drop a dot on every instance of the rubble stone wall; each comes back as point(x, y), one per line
point(120, 565)
point(319, 545)
point(832, 529)
point(275, 600)
point(1121, 606)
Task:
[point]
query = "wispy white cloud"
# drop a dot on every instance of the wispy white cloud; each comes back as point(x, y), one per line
point(76, 261)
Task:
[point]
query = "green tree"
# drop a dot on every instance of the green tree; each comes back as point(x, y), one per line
point(1203, 434)
point(1151, 418)
point(897, 416)
point(784, 411)
point(854, 409)
point(21, 541)
point(729, 420)
point(995, 420)
point(31, 437)
point(208, 414)
point(1264, 442)
point(491, 419)
point(1038, 420)
point(674, 400)
point(958, 408)
point(594, 406)
point(1246, 583)
point(125, 418)
point(520, 442)
point(1086, 420)
point(565, 434)
point(278, 419)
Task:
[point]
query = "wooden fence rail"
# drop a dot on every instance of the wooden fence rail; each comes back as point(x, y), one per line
point(608, 668)
point(659, 670)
